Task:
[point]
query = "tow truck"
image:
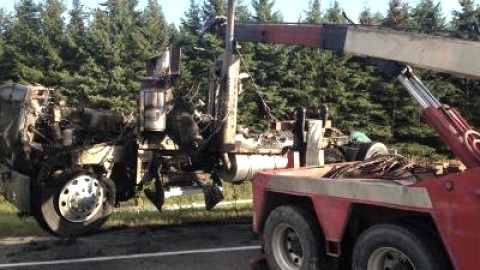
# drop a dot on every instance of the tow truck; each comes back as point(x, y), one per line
point(386, 212)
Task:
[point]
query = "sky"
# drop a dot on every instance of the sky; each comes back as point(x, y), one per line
point(290, 9)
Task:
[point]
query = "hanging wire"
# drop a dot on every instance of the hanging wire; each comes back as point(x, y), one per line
point(266, 108)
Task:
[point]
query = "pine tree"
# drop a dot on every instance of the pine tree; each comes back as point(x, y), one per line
point(467, 20)
point(23, 43)
point(367, 18)
point(53, 43)
point(334, 13)
point(192, 21)
point(264, 11)
point(4, 23)
point(156, 31)
point(428, 16)
point(398, 15)
point(74, 53)
point(76, 27)
point(314, 14)
point(212, 9)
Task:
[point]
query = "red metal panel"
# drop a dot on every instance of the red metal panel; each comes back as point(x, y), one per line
point(457, 216)
point(332, 215)
point(259, 193)
point(309, 35)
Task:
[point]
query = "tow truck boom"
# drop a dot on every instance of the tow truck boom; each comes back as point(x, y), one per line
point(441, 54)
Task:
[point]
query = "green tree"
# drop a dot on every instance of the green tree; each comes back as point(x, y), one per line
point(23, 43)
point(428, 16)
point(334, 13)
point(53, 43)
point(398, 15)
point(264, 11)
point(366, 17)
point(4, 23)
point(467, 19)
point(192, 21)
point(212, 9)
point(314, 13)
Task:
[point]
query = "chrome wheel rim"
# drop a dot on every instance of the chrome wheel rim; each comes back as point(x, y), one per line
point(389, 258)
point(81, 198)
point(287, 247)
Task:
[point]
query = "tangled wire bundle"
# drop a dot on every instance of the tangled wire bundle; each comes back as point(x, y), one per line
point(391, 167)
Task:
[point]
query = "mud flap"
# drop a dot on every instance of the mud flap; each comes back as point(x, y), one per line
point(213, 195)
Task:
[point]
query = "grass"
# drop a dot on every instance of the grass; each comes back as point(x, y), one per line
point(143, 213)
point(13, 225)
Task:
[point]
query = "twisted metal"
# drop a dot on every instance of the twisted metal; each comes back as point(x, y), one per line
point(391, 167)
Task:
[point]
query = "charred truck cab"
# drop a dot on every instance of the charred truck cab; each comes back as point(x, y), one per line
point(69, 167)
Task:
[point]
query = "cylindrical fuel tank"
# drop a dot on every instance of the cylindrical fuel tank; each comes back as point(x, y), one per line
point(154, 110)
point(244, 167)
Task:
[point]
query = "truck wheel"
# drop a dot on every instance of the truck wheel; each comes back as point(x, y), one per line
point(369, 150)
point(292, 240)
point(395, 247)
point(79, 206)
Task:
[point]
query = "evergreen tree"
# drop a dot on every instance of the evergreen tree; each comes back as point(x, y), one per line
point(264, 11)
point(23, 43)
point(76, 28)
point(314, 13)
point(367, 18)
point(156, 31)
point(334, 13)
point(466, 24)
point(212, 9)
point(74, 53)
point(467, 20)
point(4, 21)
point(192, 21)
point(398, 15)
point(428, 16)
point(53, 42)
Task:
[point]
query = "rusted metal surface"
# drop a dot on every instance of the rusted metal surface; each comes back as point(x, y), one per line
point(378, 191)
point(440, 54)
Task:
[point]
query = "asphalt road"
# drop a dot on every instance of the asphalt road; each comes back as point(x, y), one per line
point(206, 246)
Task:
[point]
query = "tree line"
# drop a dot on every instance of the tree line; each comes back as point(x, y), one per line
point(96, 58)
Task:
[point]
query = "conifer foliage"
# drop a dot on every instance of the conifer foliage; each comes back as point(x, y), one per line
point(95, 57)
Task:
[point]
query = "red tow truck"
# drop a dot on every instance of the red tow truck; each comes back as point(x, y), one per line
point(385, 212)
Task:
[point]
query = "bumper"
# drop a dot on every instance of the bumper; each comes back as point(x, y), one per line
point(15, 188)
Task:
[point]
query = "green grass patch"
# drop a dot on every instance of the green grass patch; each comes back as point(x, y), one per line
point(143, 213)
point(12, 225)
point(180, 216)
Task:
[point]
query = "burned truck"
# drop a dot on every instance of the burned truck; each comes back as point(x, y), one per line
point(69, 167)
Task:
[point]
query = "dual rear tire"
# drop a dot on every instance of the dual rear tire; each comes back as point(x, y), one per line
point(293, 241)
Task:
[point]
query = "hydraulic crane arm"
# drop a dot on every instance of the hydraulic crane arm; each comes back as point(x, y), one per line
point(449, 55)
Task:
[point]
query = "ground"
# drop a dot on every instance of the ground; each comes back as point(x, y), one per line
point(203, 245)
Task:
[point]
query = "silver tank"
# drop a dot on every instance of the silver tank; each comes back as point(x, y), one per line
point(154, 110)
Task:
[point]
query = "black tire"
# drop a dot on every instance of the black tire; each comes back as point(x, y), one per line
point(401, 245)
point(305, 241)
point(50, 217)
